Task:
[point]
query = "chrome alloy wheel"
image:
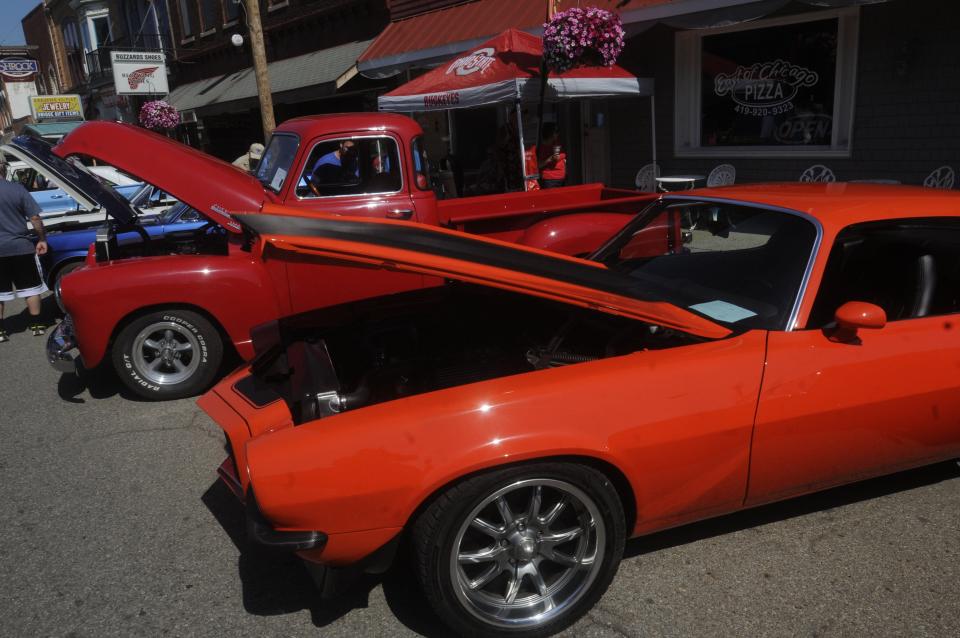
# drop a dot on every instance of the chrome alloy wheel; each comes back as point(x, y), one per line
point(166, 353)
point(527, 553)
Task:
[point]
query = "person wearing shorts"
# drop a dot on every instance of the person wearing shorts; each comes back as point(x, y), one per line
point(20, 273)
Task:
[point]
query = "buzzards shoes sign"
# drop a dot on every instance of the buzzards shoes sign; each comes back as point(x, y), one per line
point(139, 73)
point(18, 69)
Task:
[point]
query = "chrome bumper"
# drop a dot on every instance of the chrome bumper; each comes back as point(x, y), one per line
point(59, 345)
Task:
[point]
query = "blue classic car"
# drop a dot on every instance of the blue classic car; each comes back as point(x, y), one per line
point(175, 230)
point(69, 245)
point(55, 202)
point(58, 207)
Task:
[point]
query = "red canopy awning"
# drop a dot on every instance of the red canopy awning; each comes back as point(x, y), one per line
point(503, 69)
point(429, 37)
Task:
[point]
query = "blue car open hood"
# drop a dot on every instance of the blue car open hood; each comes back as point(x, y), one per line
point(76, 182)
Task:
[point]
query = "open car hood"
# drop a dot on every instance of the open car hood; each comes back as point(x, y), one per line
point(81, 186)
point(209, 185)
point(411, 247)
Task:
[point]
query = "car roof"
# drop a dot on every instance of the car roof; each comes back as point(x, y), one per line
point(312, 125)
point(839, 204)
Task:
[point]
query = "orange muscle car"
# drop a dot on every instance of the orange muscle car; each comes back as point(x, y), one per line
point(523, 417)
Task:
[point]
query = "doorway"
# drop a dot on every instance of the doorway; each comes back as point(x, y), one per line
point(595, 151)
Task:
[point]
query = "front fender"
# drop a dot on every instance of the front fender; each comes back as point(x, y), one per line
point(676, 423)
point(234, 289)
point(575, 234)
point(56, 261)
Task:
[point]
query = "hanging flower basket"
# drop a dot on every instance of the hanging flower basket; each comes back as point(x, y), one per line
point(159, 116)
point(582, 37)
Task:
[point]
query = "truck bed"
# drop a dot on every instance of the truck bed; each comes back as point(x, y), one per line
point(592, 211)
point(569, 199)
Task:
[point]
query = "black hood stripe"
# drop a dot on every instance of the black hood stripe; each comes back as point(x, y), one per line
point(453, 246)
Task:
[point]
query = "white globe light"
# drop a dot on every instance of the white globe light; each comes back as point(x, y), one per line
point(237, 40)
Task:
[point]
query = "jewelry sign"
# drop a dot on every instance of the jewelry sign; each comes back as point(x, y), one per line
point(765, 88)
point(139, 73)
point(56, 108)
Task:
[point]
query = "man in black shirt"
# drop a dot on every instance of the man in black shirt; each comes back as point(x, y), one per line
point(20, 274)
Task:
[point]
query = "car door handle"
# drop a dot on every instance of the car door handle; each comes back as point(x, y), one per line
point(400, 213)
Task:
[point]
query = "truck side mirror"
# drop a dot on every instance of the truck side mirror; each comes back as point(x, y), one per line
point(856, 315)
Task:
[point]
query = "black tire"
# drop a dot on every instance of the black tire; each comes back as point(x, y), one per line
point(64, 270)
point(443, 529)
point(190, 355)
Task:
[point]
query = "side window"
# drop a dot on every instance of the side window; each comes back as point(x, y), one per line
point(420, 164)
point(910, 268)
point(351, 166)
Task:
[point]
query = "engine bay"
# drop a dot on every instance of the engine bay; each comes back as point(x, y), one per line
point(117, 242)
point(377, 350)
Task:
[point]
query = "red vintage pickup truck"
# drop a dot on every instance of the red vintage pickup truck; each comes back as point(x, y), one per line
point(165, 313)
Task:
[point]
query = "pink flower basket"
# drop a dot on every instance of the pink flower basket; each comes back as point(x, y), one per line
point(159, 116)
point(578, 37)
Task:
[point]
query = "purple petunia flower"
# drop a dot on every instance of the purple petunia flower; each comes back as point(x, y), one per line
point(575, 31)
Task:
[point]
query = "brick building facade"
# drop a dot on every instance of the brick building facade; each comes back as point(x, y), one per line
point(38, 30)
point(311, 47)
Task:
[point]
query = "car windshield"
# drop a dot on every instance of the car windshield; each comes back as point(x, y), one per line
point(277, 160)
point(172, 214)
point(738, 265)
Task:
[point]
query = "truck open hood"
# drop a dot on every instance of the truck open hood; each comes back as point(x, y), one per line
point(411, 247)
point(213, 187)
point(78, 184)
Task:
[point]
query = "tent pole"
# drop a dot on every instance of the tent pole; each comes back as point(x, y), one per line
point(653, 133)
point(523, 154)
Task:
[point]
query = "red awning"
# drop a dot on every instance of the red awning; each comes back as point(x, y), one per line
point(439, 35)
point(503, 69)
point(436, 36)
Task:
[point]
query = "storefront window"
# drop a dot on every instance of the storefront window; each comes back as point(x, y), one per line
point(186, 18)
point(769, 86)
point(101, 31)
point(231, 10)
point(771, 89)
point(209, 14)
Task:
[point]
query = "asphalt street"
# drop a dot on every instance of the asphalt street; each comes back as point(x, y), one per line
point(112, 523)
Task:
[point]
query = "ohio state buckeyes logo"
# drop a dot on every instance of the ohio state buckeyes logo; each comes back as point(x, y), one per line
point(140, 76)
point(479, 60)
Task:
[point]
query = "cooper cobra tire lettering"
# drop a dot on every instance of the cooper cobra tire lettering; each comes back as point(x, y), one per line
point(207, 346)
point(133, 373)
point(197, 334)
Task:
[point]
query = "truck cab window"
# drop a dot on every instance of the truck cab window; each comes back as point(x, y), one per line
point(351, 166)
